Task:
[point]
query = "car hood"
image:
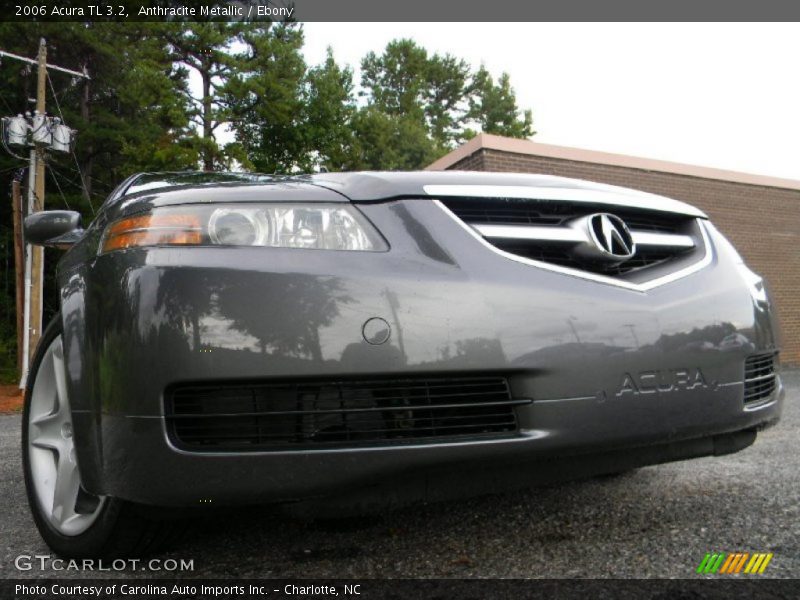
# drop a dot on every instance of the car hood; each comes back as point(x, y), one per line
point(380, 186)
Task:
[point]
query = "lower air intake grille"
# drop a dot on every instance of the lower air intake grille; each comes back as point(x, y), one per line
point(760, 378)
point(287, 416)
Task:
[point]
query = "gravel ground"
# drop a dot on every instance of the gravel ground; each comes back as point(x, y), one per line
point(654, 522)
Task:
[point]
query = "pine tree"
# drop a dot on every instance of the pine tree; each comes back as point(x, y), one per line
point(265, 98)
point(206, 47)
point(494, 107)
point(329, 107)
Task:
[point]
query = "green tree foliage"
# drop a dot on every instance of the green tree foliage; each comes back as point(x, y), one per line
point(130, 116)
point(266, 100)
point(412, 106)
point(330, 107)
point(392, 142)
point(494, 107)
point(419, 106)
point(206, 48)
point(405, 81)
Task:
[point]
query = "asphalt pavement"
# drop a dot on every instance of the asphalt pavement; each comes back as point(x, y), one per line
point(655, 522)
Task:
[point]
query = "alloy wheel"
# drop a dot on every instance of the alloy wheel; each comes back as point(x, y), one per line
point(56, 479)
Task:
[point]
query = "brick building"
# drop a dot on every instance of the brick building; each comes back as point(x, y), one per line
point(760, 215)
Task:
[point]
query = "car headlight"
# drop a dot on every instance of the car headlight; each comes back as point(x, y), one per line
point(311, 226)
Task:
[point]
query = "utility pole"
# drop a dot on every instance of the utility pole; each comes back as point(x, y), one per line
point(39, 134)
point(37, 252)
point(19, 261)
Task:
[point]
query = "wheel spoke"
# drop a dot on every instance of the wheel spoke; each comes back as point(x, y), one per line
point(46, 432)
point(62, 404)
point(66, 492)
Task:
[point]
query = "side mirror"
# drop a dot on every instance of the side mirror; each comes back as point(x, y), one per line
point(59, 228)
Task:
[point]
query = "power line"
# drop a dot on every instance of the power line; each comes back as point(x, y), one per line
point(4, 171)
point(8, 106)
point(72, 181)
point(94, 180)
point(63, 175)
point(83, 182)
point(72, 151)
point(60, 191)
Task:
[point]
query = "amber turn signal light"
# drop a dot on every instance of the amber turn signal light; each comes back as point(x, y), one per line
point(153, 230)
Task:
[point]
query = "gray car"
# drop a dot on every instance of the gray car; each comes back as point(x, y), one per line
point(340, 340)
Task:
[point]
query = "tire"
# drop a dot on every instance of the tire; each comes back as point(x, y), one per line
point(73, 523)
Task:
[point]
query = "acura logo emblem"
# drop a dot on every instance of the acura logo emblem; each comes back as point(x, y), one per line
point(609, 239)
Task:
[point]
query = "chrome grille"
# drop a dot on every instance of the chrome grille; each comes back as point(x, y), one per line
point(760, 377)
point(558, 256)
point(477, 212)
point(297, 415)
point(542, 231)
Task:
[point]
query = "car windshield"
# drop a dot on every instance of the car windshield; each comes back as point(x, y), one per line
point(153, 181)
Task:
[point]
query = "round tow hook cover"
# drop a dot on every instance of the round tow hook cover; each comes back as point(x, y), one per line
point(376, 331)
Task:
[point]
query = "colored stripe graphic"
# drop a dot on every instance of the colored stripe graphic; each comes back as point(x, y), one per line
point(755, 562)
point(703, 563)
point(724, 563)
point(731, 560)
point(731, 564)
point(711, 563)
point(719, 562)
point(766, 562)
point(712, 560)
point(741, 562)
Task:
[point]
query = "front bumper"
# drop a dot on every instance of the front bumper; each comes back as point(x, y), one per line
point(608, 369)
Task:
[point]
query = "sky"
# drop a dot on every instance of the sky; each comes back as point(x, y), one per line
point(716, 95)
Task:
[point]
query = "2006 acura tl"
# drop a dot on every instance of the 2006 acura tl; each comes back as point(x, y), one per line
point(231, 338)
